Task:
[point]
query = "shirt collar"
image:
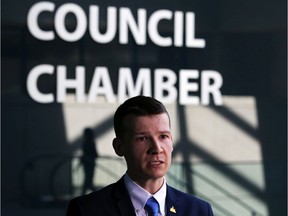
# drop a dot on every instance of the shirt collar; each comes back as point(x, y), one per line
point(139, 195)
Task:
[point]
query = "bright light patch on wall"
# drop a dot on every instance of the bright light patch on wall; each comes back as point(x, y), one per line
point(244, 107)
point(226, 133)
point(78, 116)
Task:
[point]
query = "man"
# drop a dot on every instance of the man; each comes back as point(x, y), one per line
point(144, 139)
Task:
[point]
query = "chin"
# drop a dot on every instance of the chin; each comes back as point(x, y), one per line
point(157, 175)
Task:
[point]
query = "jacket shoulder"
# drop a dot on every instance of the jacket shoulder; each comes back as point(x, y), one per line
point(95, 202)
point(107, 201)
point(187, 203)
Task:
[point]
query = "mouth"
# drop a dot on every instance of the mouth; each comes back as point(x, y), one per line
point(156, 162)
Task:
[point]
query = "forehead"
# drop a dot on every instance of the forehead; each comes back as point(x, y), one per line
point(158, 121)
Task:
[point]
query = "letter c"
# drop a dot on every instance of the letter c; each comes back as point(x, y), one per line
point(153, 32)
point(32, 21)
point(32, 83)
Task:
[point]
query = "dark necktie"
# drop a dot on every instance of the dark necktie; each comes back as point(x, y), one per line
point(152, 206)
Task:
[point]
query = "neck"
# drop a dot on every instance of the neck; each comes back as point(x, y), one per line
point(150, 185)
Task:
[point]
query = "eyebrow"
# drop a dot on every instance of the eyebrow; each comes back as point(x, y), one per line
point(144, 132)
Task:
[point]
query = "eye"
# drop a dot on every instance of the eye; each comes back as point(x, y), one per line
point(164, 136)
point(141, 138)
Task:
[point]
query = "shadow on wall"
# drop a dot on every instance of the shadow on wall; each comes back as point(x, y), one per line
point(273, 159)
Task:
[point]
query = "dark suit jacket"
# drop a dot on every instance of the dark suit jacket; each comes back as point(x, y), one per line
point(114, 200)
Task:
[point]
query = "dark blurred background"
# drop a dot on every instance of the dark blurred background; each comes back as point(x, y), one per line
point(246, 41)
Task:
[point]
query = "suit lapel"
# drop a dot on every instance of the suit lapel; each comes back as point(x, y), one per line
point(125, 205)
point(171, 202)
point(123, 200)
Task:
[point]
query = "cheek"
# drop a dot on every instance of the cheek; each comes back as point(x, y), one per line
point(169, 147)
point(136, 152)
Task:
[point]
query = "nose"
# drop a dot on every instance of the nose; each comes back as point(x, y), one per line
point(156, 147)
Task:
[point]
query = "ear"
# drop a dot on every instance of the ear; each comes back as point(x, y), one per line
point(118, 147)
point(172, 142)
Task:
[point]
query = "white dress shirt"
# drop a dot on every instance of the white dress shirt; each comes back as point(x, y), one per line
point(139, 196)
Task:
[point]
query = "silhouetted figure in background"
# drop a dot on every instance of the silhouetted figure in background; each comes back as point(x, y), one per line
point(88, 159)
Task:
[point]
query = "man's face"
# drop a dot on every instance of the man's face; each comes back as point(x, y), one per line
point(147, 146)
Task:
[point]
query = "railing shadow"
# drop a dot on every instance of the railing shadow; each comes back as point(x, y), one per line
point(185, 147)
point(60, 198)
